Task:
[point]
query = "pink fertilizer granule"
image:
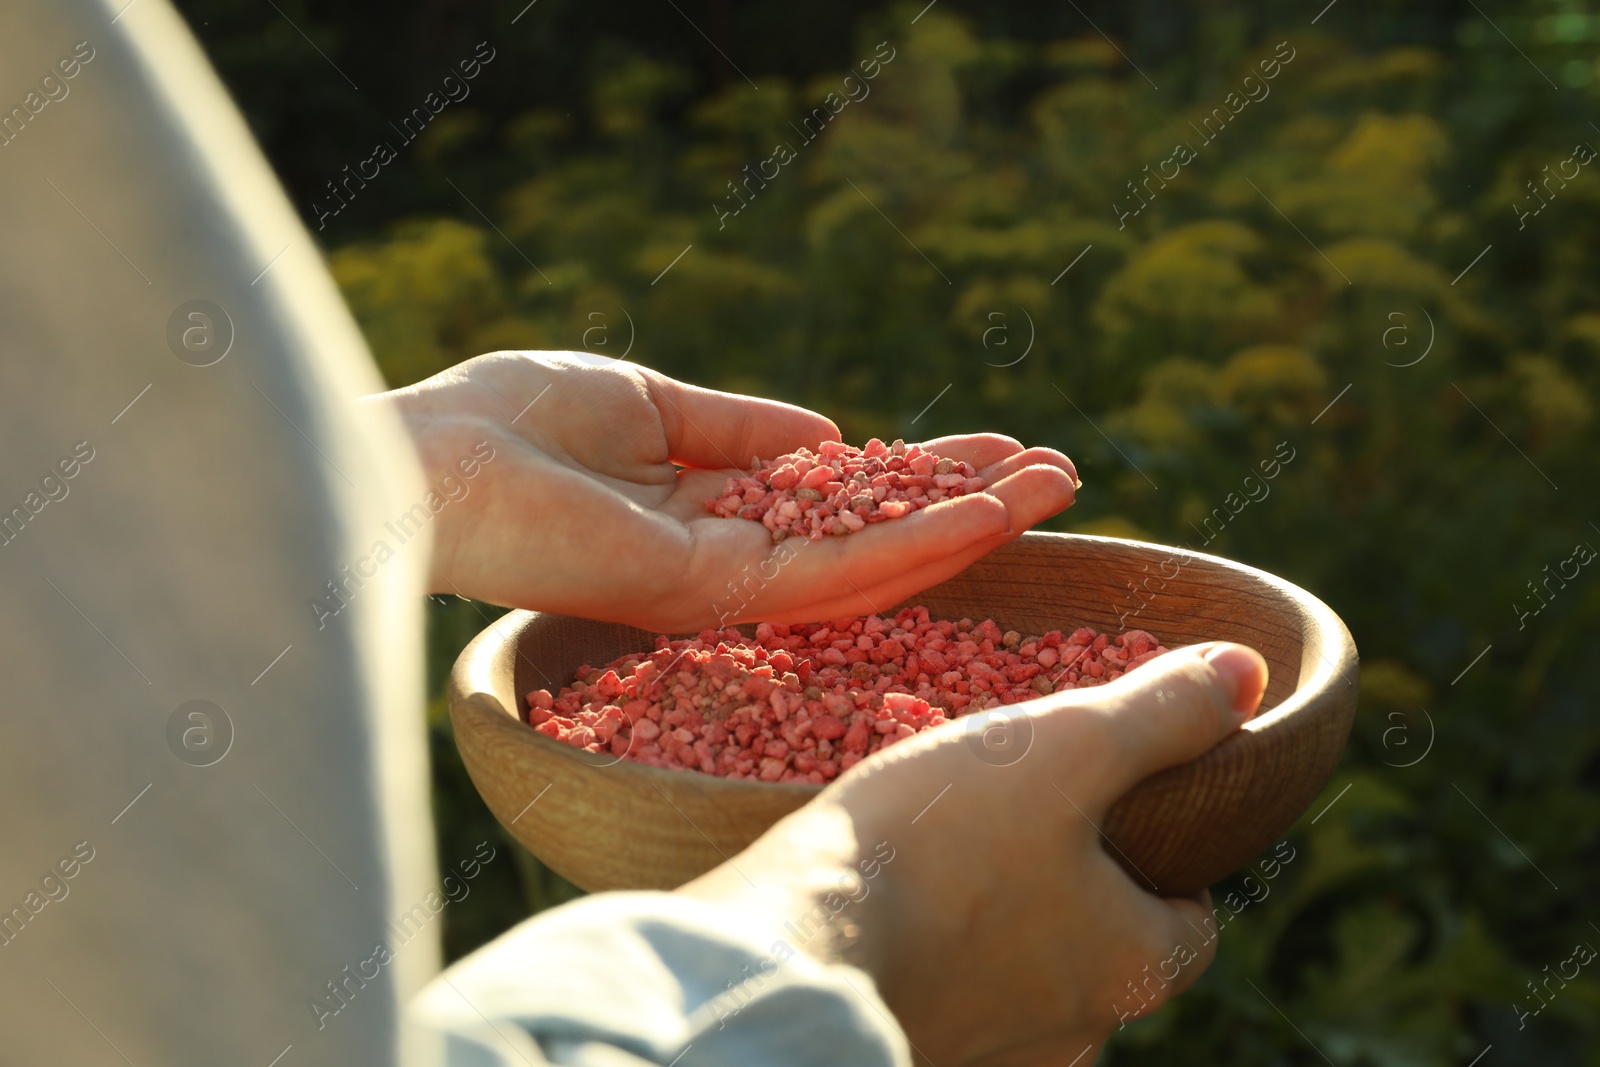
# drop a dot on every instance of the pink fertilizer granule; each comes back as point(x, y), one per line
point(839, 488)
point(804, 703)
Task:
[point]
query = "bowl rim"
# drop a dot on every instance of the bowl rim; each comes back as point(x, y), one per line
point(471, 679)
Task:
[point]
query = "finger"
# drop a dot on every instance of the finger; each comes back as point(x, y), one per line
point(1174, 940)
point(1030, 457)
point(1030, 496)
point(707, 428)
point(1174, 709)
point(979, 449)
point(1192, 924)
point(882, 597)
point(1034, 493)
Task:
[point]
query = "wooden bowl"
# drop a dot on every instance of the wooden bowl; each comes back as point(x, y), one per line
point(604, 823)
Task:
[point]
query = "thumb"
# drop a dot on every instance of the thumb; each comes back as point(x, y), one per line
point(716, 430)
point(1176, 708)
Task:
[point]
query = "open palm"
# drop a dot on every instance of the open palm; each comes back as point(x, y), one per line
point(594, 501)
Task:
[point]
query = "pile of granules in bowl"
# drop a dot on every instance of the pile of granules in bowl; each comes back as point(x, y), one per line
point(839, 489)
point(804, 703)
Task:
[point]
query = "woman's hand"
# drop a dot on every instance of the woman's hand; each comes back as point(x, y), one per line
point(584, 509)
point(983, 903)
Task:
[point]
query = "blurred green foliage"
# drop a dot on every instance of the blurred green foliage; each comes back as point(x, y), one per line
point(1283, 286)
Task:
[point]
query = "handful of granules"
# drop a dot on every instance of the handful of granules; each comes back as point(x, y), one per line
point(839, 489)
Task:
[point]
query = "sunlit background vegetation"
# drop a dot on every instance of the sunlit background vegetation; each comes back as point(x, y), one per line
point(1351, 265)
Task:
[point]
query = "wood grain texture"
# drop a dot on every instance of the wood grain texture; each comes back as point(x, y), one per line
point(610, 824)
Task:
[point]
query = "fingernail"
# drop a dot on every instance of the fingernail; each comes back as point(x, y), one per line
point(1233, 664)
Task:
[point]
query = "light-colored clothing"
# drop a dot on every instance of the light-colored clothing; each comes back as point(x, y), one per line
point(215, 794)
point(652, 978)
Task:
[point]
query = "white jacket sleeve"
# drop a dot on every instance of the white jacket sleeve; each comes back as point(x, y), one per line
point(213, 807)
point(211, 748)
point(630, 979)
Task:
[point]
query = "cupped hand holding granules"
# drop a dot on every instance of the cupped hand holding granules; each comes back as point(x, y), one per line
point(839, 489)
point(593, 503)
